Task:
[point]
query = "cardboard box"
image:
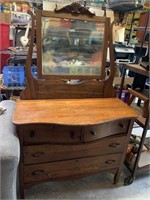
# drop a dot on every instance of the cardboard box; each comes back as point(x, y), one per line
point(118, 34)
point(5, 18)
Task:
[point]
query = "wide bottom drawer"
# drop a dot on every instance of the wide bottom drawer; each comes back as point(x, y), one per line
point(70, 168)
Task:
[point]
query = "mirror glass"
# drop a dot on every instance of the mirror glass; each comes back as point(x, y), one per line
point(71, 47)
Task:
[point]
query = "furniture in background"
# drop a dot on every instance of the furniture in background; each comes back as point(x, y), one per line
point(69, 122)
point(143, 119)
point(137, 68)
point(10, 152)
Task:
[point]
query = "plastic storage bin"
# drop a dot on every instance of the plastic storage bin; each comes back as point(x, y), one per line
point(14, 76)
point(4, 36)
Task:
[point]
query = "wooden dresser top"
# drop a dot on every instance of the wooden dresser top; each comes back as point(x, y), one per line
point(71, 111)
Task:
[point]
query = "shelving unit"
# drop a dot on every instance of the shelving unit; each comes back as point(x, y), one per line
point(143, 122)
point(137, 165)
point(131, 23)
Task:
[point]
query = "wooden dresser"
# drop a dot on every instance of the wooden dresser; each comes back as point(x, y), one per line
point(65, 139)
point(68, 120)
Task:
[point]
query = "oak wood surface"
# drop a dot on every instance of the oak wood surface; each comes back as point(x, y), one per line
point(71, 111)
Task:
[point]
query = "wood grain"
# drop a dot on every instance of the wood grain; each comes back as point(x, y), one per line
point(71, 111)
point(35, 154)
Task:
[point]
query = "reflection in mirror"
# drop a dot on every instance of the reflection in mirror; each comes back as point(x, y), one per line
point(71, 47)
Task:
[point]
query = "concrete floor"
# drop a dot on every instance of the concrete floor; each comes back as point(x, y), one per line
point(99, 187)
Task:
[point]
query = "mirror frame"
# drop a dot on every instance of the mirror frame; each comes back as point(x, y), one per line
point(71, 16)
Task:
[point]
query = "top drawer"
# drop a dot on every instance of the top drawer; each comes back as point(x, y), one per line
point(96, 132)
point(38, 134)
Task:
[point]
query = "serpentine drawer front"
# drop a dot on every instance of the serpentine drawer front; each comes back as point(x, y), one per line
point(38, 134)
point(71, 134)
point(96, 132)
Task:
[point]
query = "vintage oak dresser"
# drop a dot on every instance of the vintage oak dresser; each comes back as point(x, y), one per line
point(69, 122)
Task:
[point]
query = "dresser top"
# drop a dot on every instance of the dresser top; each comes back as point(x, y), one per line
point(71, 111)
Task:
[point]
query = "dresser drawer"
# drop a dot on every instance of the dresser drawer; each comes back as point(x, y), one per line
point(96, 132)
point(70, 168)
point(38, 134)
point(50, 152)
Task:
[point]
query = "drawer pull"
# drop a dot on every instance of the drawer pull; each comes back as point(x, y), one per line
point(109, 162)
point(114, 145)
point(38, 154)
point(32, 134)
point(93, 132)
point(38, 172)
point(122, 125)
point(73, 134)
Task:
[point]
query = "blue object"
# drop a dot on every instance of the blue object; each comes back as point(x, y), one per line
point(1, 8)
point(14, 76)
point(34, 71)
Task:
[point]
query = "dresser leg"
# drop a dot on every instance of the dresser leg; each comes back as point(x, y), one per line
point(21, 182)
point(116, 177)
point(22, 193)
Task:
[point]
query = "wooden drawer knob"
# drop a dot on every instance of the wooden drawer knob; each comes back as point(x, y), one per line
point(73, 134)
point(93, 132)
point(109, 162)
point(121, 125)
point(32, 133)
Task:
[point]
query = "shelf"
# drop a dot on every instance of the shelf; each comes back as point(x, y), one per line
point(144, 159)
point(140, 120)
point(87, 2)
point(125, 7)
point(141, 28)
point(22, 1)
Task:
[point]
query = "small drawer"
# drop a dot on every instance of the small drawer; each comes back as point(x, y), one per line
point(50, 152)
point(39, 134)
point(96, 132)
point(70, 168)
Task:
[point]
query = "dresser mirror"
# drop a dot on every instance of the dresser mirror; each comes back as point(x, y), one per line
point(71, 46)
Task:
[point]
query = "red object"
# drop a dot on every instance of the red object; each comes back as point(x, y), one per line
point(3, 61)
point(4, 44)
point(10, 43)
point(4, 36)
